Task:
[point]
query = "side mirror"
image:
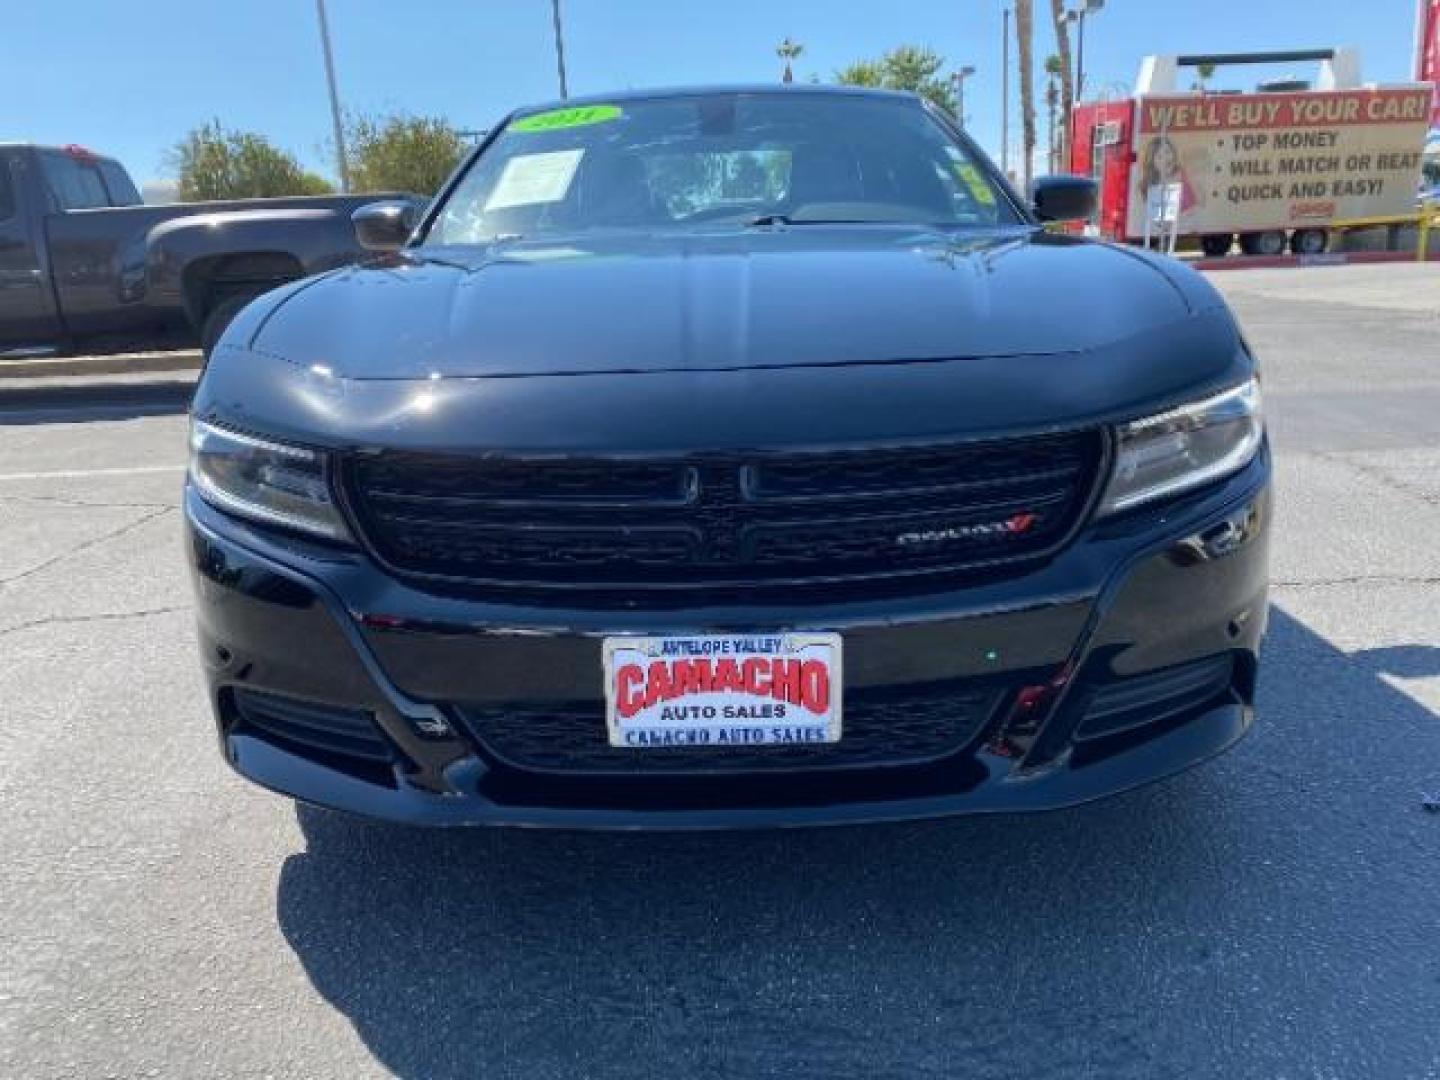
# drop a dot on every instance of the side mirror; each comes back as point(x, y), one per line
point(1064, 198)
point(384, 226)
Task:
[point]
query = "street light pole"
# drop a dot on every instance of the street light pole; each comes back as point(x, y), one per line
point(342, 166)
point(559, 49)
point(1077, 16)
point(1005, 95)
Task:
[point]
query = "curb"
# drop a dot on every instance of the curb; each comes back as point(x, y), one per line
point(96, 397)
point(144, 363)
point(1329, 258)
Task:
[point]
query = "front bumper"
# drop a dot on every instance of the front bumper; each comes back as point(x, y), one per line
point(1137, 604)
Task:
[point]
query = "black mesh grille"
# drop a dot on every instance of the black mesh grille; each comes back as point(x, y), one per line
point(327, 729)
point(721, 520)
point(891, 727)
point(898, 472)
point(1139, 700)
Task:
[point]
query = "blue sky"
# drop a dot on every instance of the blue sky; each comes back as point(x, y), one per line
point(130, 78)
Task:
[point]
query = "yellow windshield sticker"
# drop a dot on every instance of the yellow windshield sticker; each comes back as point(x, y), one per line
point(979, 189)
point(556, 119)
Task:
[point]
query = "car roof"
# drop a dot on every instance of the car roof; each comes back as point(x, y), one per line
point(72, 150)
point(749, 89)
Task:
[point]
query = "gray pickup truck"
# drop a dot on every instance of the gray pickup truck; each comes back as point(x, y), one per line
point(83, 264)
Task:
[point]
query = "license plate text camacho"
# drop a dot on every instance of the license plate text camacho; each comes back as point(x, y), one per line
point(718, 691)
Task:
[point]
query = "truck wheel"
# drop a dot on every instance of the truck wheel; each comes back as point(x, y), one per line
point(1308, 241)
point(1216, 245)
point(219, 317)
point(1263, 243)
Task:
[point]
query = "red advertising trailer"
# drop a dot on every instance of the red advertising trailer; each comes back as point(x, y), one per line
point(1427, 69)
point(1272, 168)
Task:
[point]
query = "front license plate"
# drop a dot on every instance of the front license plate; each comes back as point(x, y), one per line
point(722, 690)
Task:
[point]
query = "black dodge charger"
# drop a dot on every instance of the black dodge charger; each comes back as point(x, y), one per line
point(729, 457)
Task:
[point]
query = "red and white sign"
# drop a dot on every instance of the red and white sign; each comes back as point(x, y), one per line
point(1312, 108)
point(722, 690)
point(1251, 162)
point(1427, 52)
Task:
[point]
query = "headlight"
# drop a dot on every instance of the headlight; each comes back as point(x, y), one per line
point(270, 482)
point(1181, 449)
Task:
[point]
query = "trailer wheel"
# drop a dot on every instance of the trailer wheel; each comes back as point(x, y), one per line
point(1263, 243)
point(1216, 245)
point(1308, 241)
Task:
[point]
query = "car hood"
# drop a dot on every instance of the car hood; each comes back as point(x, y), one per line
point(731, 300)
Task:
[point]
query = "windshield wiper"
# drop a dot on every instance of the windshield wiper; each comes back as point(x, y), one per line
point(786, 219)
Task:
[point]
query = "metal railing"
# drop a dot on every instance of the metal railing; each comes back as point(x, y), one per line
point(1425, 218)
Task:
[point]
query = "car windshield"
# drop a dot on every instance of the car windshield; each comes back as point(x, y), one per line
point(692, 161)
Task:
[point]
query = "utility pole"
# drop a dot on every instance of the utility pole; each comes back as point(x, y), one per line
point(341, 163)
point(559, 49)
point(1005, 96)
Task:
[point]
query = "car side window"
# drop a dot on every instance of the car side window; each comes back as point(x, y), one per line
point(118, 183)
point(75, 183)
point(7, 192)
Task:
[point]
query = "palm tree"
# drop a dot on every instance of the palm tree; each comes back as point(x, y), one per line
point(1052, 104)
point(1067, 73)
point(1202, 75)
point(788, 50)
point(1024, 38)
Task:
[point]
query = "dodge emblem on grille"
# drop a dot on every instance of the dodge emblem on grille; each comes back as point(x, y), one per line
point(1014, 525)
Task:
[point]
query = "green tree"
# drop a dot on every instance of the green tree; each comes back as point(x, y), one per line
point(213, 163)
point(908, 67)
point(1025, 41)
point(788, 50)
point(1203, 75)
point(862, 73)
point(1056, 157)
point(402, 153)
point(1061, 25)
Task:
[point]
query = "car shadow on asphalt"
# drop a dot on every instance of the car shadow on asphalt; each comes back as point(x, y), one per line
point(1272, 912)
point(78, 404)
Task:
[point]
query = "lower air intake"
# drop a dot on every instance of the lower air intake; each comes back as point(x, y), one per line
point(906, 726)
point(311, 730)
point(1139, 700)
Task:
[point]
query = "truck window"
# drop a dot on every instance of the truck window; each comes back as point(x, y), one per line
point(118, 184)
point(74, 182)
point(7, 192)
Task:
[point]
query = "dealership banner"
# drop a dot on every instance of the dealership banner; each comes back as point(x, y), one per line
point(1250, 162)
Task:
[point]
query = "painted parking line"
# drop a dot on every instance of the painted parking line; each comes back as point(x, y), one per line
point(80, 474)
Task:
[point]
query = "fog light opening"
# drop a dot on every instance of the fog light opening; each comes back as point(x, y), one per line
point(1031, 706)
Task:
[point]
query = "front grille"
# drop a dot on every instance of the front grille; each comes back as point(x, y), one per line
point(721, 520)
point(908, 726)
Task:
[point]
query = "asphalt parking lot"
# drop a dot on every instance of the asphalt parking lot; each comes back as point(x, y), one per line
point(1273, 914)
